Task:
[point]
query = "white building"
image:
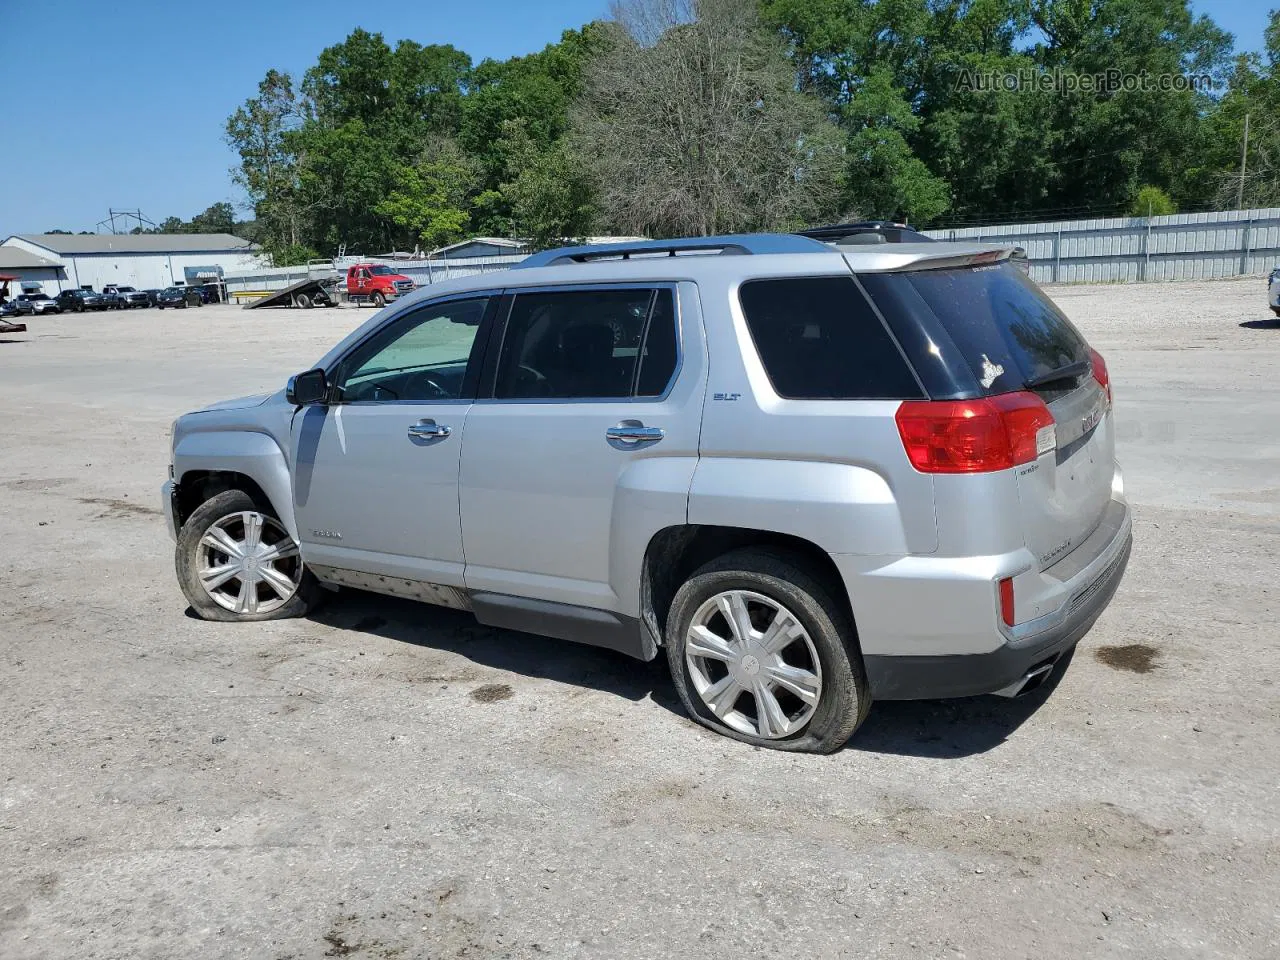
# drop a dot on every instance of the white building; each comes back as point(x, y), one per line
point(24, 272)
point(144, 260)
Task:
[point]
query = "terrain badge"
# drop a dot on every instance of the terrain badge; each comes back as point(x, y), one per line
point(990, 371)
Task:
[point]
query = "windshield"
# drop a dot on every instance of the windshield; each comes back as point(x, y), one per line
point(382, 271)
point(125, 290)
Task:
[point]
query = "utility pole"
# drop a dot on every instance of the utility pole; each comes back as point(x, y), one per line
point(1244, 155)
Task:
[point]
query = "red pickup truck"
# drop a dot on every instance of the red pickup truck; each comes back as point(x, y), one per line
point(376, 283)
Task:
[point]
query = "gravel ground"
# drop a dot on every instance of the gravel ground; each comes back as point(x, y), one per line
point(389, 780)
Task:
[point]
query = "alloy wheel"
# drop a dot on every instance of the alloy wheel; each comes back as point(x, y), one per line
point(248, 563)
point(753, 664)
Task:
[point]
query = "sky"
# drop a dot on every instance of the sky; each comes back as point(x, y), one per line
point(123, 104)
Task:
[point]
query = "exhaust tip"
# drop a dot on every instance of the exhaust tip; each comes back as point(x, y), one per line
point(1032, 679)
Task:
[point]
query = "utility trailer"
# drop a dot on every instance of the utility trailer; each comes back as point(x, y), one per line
point(312, 292)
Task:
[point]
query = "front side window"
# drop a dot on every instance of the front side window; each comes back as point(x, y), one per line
point(588, 344)
point(420, 357)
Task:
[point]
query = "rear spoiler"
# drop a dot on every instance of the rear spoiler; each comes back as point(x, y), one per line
point(938, 255)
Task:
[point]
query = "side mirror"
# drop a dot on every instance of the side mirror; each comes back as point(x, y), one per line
point(306, 388)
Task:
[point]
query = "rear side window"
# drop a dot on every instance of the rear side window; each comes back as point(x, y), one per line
point(1005, 329)
point(603, 344)
point(819, 339)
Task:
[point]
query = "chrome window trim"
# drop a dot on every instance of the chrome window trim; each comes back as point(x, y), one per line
point(673, 286)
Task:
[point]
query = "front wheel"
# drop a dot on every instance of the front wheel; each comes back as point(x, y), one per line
point(760, 652)
point(236, 562)
point(379, 301)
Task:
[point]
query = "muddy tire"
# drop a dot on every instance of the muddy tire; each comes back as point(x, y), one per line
point(760, 652)
point(237, 563)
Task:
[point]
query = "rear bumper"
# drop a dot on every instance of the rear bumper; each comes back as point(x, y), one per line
point(1029, 645)
point(968, 675)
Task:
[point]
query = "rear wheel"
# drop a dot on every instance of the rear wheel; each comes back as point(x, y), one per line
point(760, 652)
point(303, 301)
point(236, 562)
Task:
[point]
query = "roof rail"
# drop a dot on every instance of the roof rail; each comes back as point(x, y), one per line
point(891, 231)
point(730, 245)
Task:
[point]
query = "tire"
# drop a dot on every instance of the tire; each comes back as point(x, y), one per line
point(243, 600)
point(770, 583)
point(302, 301)
point(379, 301)
point(183, 305)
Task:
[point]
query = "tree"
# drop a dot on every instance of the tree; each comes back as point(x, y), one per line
point(1152, 202)
point(549, 198)
point(430, 196)
point(262, 131)
point(219, 218)
point(690, 123)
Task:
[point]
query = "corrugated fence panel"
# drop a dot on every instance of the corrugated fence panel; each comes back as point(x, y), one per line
point(1188, 246)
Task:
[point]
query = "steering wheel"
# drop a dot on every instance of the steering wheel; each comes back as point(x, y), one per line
point(537, 377)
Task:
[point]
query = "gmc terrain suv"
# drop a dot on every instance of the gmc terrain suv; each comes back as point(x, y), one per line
point(814, 475)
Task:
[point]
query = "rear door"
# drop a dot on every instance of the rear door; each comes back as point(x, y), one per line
point(1002, 334)
point(584, 437)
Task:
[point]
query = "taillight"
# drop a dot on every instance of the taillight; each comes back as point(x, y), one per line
point(1100, 373)
point(975, 436)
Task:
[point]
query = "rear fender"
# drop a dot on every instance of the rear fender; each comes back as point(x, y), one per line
point(843, 508)
point(256, 455)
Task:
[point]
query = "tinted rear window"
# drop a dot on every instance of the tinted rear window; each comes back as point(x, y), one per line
point(1005, 328)
point(819, 339)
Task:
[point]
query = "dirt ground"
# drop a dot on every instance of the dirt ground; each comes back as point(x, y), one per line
point(390, 780)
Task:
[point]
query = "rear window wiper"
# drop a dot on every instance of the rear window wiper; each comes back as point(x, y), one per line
point(1071, 371)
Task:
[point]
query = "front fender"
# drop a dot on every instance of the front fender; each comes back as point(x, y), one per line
point(256, 455)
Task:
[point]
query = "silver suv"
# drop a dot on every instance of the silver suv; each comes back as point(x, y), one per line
point(813, 475)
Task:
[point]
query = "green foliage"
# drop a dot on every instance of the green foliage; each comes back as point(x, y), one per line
point(1152, 202)
point(430, 197)
point(686, 116)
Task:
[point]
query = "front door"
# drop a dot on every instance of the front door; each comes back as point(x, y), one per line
point(583, 443)
point(376, 469)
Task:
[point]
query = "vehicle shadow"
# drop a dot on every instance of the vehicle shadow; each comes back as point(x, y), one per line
point(948, 729)
point(455, 631)
point(935, 729)
point(1271, 323)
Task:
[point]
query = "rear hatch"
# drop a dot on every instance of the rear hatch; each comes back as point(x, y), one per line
point(985, 330)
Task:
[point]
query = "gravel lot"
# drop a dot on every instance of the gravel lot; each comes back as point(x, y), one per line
point(389, 780)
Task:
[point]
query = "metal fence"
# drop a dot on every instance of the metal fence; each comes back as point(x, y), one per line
point(1185, 246)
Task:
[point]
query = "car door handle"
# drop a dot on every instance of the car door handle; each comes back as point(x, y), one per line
point(631, 433)
point(428, 430)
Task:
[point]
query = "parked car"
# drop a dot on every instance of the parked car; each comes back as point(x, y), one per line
point(128, 297)
point(152, 296)
point(208, 292)
point(40, 303)
point(812, 476)
point(80, 300)
point(179, 298)
point(1273, 291)
point(10, 309)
